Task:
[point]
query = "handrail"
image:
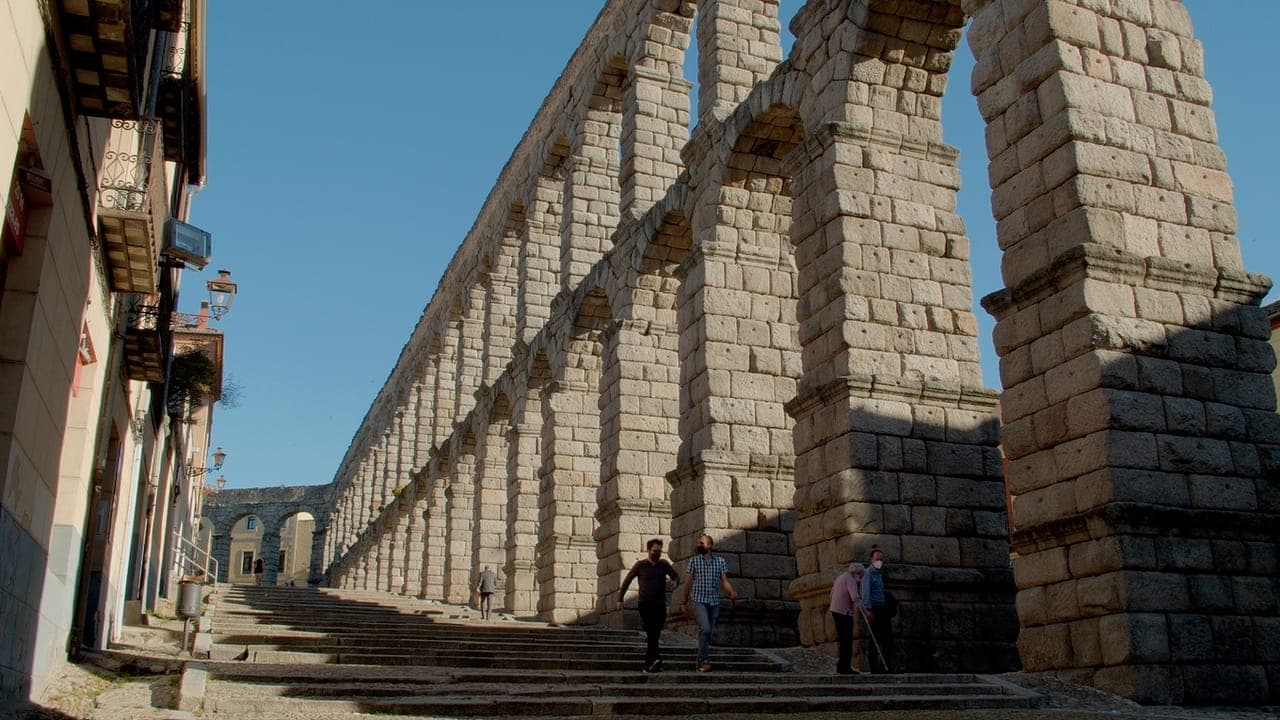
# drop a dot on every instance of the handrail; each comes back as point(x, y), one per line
point(208, 570)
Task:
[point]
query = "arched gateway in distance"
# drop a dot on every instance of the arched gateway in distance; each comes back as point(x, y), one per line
point(763, 330)
point(271, 510)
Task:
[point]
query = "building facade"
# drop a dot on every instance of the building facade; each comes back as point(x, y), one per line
point(102, 143)
point(760, 327)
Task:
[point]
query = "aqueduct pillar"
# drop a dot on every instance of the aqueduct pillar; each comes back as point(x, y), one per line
point(1139, 417)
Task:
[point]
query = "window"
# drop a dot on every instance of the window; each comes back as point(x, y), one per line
point(246, 562)
point(250, 522)
point(282, 565)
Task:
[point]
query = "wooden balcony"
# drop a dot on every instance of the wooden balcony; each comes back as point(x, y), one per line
point(106, 44)
point(144, 342)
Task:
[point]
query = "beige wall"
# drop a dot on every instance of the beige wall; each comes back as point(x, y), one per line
point(48, 433)
point(295, 541)
point(244, 539)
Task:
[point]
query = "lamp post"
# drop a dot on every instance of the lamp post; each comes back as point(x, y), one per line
point(222, 292)
point(218, 458)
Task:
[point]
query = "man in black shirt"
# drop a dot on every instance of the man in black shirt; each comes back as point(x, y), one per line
point(653, 572)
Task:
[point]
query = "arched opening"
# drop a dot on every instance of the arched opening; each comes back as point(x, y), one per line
point(295, 560)
point(490, 520)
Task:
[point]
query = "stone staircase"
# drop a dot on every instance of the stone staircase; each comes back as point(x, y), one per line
point(294, 652)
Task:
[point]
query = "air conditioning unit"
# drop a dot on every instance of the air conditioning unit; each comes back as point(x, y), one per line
point(187, 243)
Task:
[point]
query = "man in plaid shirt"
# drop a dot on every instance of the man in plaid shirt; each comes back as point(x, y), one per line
point(707, 574)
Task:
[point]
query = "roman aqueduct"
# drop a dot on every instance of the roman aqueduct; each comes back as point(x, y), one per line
point(763, 329)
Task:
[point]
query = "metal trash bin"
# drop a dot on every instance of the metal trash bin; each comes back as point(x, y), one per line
point(189, 598)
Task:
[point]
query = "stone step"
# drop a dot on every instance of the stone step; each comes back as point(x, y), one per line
point(510, 705)
point(431, 635)
point(353, 605)
point(562, 650)
point(278, 641)
point(311, 622)
point(668, 684)
point(469, 660)
point(326, 653)
point(372, 674)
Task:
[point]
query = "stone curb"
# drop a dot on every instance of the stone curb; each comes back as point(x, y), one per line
point(191, 689)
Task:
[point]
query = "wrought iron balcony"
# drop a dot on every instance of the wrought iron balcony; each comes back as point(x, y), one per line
point(178, 101)
point(107, 43)
point(132, 204)
point(144, 341)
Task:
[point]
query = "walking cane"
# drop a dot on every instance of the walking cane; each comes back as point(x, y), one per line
point(862, 612)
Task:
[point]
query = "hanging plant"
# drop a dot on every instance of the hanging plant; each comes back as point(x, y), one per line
point(193, 378)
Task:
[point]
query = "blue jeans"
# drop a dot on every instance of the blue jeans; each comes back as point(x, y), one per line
point(705, 615)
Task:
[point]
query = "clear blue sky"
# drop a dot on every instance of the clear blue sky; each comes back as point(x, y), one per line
point(351, 147)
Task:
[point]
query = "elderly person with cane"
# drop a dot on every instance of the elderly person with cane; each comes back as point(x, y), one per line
point(846, 604)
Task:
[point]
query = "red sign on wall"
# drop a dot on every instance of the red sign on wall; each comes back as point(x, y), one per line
point(15, 219)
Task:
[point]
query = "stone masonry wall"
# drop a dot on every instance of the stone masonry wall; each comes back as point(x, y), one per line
point(760, 326)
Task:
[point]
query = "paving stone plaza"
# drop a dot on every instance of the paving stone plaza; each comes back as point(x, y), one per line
point(763, 329)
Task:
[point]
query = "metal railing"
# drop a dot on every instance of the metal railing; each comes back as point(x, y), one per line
point(189, 566)
point(132, 175)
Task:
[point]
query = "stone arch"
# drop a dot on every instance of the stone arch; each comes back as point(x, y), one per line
point(224, 508)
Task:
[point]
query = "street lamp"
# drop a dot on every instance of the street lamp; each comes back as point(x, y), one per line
point(221, 481)
point(218, 458)
point(221, 294)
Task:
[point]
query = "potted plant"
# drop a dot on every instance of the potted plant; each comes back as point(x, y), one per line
point(193, 379)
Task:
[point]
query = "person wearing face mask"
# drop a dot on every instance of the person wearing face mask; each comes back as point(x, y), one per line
point(707, 574)
point(653, 573)
point(879, 609)
point(846, 600)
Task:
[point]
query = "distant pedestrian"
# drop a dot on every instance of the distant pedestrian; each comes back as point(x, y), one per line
point(257, 571)
point(707, 575)
point(487, 586)
point(846, 605)
point(880, 607)
point(653, 573)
